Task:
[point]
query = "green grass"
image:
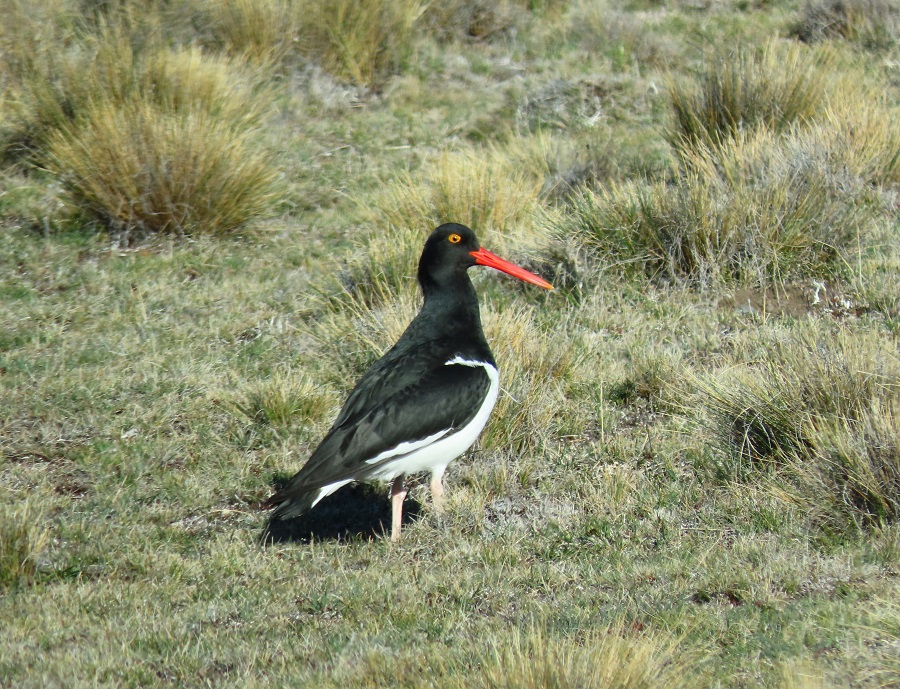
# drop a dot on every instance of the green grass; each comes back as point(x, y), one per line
point(690, 478)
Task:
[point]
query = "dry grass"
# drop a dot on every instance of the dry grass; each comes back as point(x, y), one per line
point(760, 208)
point(286, 399)
point(140, 169)
point(822, 405)
point(608, 659)
point(147, 139)
point(151, 396)
point(114, 66)
point(537, 368)
point(24, 539)
point(263, 31)
point(862, 134)
point(872, 23)
point(748, 89)
point(472, 19)
point(485, 192)
point(361, 42)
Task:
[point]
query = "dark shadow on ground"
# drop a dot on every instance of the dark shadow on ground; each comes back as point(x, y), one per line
point(358, 511)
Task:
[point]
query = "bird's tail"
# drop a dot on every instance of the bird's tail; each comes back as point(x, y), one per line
point(285, 508)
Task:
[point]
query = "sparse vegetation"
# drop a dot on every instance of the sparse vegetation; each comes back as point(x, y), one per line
point(211, 213)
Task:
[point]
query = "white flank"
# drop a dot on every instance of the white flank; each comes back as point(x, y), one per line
point(437, 451)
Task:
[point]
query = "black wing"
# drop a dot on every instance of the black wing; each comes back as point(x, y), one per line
point(444, 398)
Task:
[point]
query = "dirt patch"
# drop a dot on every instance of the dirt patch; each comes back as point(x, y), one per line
point(815, 297)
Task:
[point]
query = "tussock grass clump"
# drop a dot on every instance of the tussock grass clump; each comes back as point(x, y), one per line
point(478, 190)
point(758, 209)
point(52, 89)
point(113, 66)
point(23, 539)
point(360, 42)
point(139, 168)
point(743, 89)
point(861, 133)
point(146, 139)
point(285, 398)
point(798, 676)
point(820, 407)
point(610, 659)
point(264, 31)
point(872, 23)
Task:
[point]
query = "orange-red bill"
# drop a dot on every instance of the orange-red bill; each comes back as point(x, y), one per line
point(483, 257)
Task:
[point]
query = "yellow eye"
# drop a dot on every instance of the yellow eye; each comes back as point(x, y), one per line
point(454, 239)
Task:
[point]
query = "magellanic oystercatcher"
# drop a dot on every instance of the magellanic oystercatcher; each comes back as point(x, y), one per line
point(424, 402)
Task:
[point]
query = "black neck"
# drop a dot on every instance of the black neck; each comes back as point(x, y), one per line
point(450, 314)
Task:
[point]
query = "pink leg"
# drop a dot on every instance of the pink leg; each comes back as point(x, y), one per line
point(437, 492)
point(398, 495)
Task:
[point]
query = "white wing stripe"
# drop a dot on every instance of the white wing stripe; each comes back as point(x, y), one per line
point(406, 448)
point(470, 362)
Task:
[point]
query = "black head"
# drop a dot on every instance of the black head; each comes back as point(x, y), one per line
point(448, 254)
point(451, 250)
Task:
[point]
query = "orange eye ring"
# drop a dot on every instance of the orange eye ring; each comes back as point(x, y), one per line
point(454, 238)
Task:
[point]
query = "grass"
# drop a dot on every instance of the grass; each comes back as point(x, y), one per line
point(747, 88)
point(690, 478)
point(362, 43)
point(23, 540)
point(760, 208)
point(137, 169)
point(871, 23)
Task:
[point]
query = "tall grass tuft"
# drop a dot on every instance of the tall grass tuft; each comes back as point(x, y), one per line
point(360, 42)
point(284, 399)
point(612, 659)
point(113, 66)
point(264, 31)
point(146, 139)
point(743, 89)
point(138, 168)
point(823, 409)
point(862, 134)
point(758, 209)
point(872, 23)
point(23, 539)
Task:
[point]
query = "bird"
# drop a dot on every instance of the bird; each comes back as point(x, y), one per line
point(425, 401)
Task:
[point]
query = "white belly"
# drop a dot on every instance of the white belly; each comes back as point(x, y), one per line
point(437, 451)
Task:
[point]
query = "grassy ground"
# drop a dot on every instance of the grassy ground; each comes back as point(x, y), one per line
point(693, 477)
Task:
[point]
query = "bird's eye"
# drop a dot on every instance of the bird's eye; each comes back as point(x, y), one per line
point(454, 238)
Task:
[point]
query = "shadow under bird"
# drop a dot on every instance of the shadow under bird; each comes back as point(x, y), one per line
point(424, 402)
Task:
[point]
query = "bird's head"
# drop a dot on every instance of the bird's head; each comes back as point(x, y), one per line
point(452, 249)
